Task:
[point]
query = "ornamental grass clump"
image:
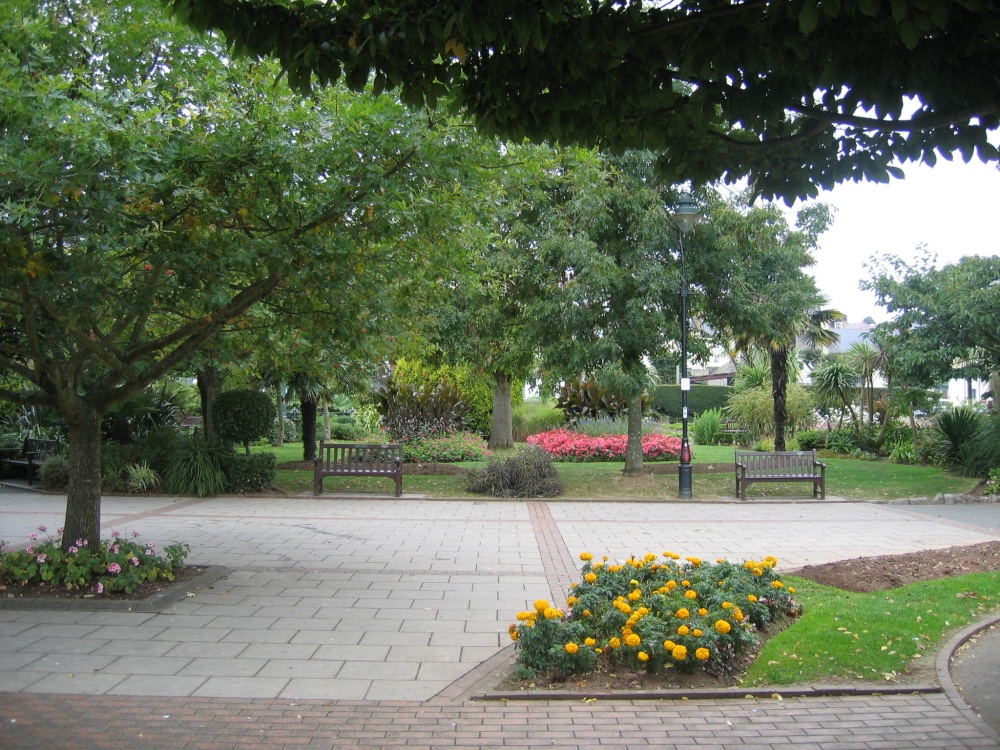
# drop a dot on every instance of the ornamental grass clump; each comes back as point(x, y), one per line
point(654, 613)
point(117, 565)
point(528, 473)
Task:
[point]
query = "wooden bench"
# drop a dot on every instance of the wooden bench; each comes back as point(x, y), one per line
point(352, 460)
point(789, 466)
point(30, 456)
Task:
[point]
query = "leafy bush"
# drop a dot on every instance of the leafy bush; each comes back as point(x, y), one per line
point(346, 430)
point(585, 398)
point(983, 454)
point(903, 453)
point(533, 417)
point(754, 408)
point(251, 473)
point(648, 614)
point(953, 436)
point(701, 398)
point(368, 418)
point(413, 411)
point(567, 445)
point(141, 479)
point(115, 460)
point(842, 441)
point(55, 473)
point(115, 565)
point(291, 431)
point(707, 427)
point(528, 473)
point(195, 468)
point(811, 440)
point(240, 417)
point(150, 410)
point(459, 446)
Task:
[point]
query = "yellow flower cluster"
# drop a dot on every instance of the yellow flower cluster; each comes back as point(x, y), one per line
point(571, 648)
point(586, 556)
point(590, 577)
point(682, 614)
point(691, 594)
point(723, 626)
point(702, 654)
point(633, 640)
point(671, 556)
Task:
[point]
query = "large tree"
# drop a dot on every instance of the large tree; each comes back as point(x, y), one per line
point(795, 95)
point(153, 192)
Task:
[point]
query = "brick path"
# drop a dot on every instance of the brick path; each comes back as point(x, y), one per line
point(364, 623)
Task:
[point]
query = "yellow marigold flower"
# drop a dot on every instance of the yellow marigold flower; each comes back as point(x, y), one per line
point(682, 613)
point(702, 612)
point(615, 643)
point(777, 585)
point(686, 584)
point(758, 572)
point(668, 554)
point(589, 642)
point(750, 564)
point(671, 585)
point(590, 578)
point(791, 589)
point(751, 598)
point(680, 653)
point(683, 630)
point(723, 626)
point(571, 648)
point(598, 650)
point(649, 557)
point(634, 583)
point(697, 633)
point(615, 568)
point(526, 615)
point(643, 656)
point(597, 565)
point(586, 556)
point(572, 600)
point(738, 614)
point(513, 632)
point(541, 605)
point(586, 613)
point(632, 640)
point(669, 645)
point(551, 613)
point(770, 561)
point(702, 654)
point(727, 605)
point(635, 596)
point(720, 560)
point(695, 561)
point(625, 608)
point(642, 611)
point(691, 594)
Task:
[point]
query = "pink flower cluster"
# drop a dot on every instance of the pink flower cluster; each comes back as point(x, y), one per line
point(574, 446)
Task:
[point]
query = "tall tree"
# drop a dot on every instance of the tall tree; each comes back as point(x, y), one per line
point(771, 303)
point(153, 192)
point(796, 96)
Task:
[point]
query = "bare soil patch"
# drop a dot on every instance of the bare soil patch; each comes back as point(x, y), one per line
point(183, 577)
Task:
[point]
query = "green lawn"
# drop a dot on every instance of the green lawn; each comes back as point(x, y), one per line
point(852, 479)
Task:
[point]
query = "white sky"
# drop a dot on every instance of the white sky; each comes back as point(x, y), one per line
point(953, 208)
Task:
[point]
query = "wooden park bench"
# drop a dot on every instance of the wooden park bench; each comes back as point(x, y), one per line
point(30, 456)
point(789, 466)
point(352, 460)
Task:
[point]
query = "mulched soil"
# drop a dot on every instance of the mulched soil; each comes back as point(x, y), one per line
point(146, 589)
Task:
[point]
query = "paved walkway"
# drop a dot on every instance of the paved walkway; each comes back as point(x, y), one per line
point(368, 622)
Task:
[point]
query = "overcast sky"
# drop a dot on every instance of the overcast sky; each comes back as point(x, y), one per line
point(953, 207)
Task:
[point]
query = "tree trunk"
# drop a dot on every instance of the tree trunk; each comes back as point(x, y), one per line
point(309, 411)
point(502, 430)
point(280, 401)
point(633, 449)
point(83, 501)
point(779, 392)
point(210, 380)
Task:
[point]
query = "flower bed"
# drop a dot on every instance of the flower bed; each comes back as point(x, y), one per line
point(650, 614)
point(113, 566)
point(566, 445)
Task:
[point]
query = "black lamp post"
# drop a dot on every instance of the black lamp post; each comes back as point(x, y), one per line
point(686, 216)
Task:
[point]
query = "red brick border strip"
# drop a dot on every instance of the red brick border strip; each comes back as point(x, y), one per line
point(560, 567)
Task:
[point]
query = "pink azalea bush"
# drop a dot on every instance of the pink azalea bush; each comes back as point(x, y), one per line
point(566, 445)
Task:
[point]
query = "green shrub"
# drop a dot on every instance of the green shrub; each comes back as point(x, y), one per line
point(842, 441)
point(346, 430)
point(707, 427)
point(55, 473)
point(585, 398)
point(240, 417)
point(195, 468)
point(811, 440)
point(410, 412)
point(291, 431)
point(141, 479)
point(528, 473)
point(983, 454)
point(252, 473)
point(115, 460)
point(667, 399)
point(954, 434)
point(460, 446)
point(534, 417)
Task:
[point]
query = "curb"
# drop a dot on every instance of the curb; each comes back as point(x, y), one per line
point(943, 667)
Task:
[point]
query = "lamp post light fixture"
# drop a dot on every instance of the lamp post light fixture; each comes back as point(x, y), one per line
point(686, 216)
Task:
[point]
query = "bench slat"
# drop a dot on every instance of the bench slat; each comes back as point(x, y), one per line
point(783, 466)
point(358, 460)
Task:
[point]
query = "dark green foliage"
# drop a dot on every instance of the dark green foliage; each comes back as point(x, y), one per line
point(146, 412)
point(586, 398)
point(291, 431)
point(243, 416)
point(249, 473)
point(195, 468)
point(667, 399)
point(842, 441)
point(476, 389)
point(345, 429)
point(810, 440)
point(410, 411)
point(115, 457)
point(707, 427)
point(528, 473)
point(954, 434)
point(984, 452)
point(55, 473)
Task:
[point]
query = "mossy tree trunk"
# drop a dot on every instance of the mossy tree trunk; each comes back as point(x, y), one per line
point(502, 430)
point(83, 499)
point(633, 450)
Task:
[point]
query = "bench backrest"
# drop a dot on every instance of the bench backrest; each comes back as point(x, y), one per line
point(348, 456)
point(778, 464)
point(43, 446)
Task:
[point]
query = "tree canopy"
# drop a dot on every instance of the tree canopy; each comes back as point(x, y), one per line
point(796, 95)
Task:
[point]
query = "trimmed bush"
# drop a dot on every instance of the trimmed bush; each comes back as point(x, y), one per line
point(243, 416)
point(291, 431)
point(528, 473)
point(811, 440)
point(55, 473)
point(459, 446)
point(251, 473)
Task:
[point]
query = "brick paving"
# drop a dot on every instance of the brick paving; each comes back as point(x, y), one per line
point(368, 622)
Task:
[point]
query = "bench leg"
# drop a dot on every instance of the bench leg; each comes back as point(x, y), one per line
point(317, 484)
point(399, 485)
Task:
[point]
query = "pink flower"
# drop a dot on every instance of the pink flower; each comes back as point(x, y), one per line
point(134, 560)
point(151, 544)
point(30, 550)
point(115, 549)
point(149, 551)
point(81, 542)
point(60, 530)
point(73, 550)
point(114, 568)
point(135, 534)
point(100, 587)
point(42, 557)
point(116, 534)
point(41, 528)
